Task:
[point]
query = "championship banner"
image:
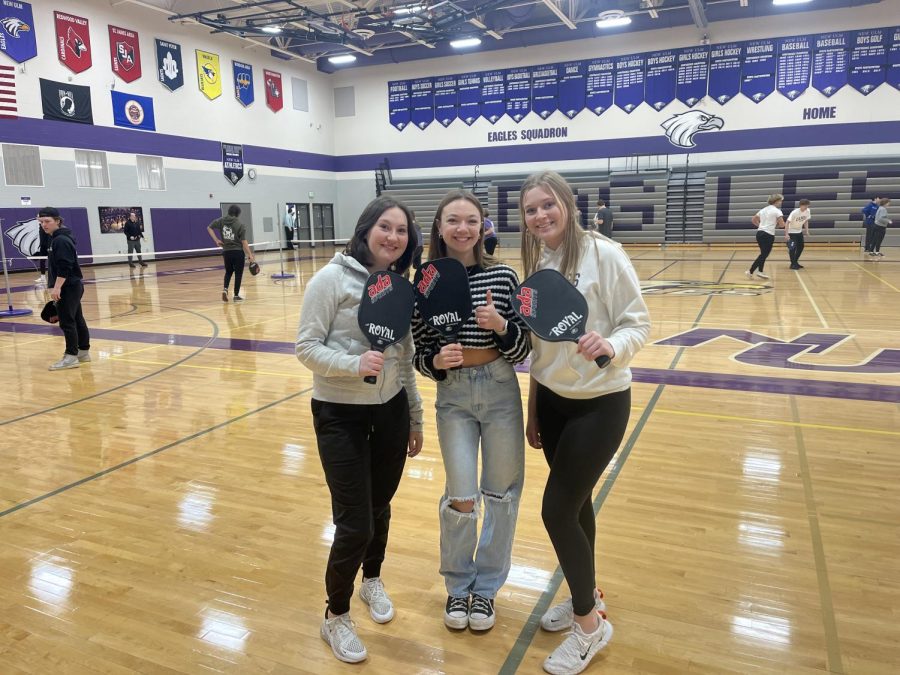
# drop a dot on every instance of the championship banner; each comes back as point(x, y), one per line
point(493, 95)
point(630, 81)
point(73, 41)
point(794, 66)
point(274, 92)
point(66, 102)
point(693, 75)
point(168, 64)
point(421, 100)
point(243, 82)
point(544, 90)
point(469, 97)
point(725, 71)
point(445, 99)
point(133, 112)
point(573, 87)
point(518, 93)
point(17, 34)
point(125, 52)
point(209, 79)
point(599, 83)
point(758, 71)
point(893, 68)
point(662, 74)
point(233, 162)
point(868, 60)
point(831, 62)
point(398, 103)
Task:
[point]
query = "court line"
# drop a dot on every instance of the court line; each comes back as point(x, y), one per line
point(124, 357)
point(832, 641)
point(674, 262)
point(526, 635)
point(811, 301)
point(875, 276)
point(128, 462)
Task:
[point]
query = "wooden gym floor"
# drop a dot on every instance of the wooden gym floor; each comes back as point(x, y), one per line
point(163, 509)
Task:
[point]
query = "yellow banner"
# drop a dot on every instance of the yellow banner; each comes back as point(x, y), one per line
point(209, 76)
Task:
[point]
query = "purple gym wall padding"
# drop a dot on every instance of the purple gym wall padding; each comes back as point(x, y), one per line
point(181, 229)
point(22, 235)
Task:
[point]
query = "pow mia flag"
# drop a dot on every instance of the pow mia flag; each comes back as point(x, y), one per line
point(66, 102)
point(168, 64)
point(233, 162)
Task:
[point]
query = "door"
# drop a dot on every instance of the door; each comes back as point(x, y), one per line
point(304, 231)
point(246, 217)
point(323, 223)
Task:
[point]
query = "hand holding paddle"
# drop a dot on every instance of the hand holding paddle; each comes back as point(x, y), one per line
point(450, 356)
point(385, 313)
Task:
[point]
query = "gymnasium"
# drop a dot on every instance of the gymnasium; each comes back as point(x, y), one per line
point(163, 507)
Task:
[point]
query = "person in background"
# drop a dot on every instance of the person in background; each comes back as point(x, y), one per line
point(134, 232)
point(230, 235)
point(794, 230)
point(766, 220)
point(490, 234)
point(879, 229)
point(603, 219)
point(869, 211)
point(420, 246)
point(288, 224)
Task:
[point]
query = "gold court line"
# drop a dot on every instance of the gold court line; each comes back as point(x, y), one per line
point(219, 368)
point(875, 276)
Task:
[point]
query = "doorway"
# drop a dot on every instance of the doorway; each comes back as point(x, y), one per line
point(323, 223)
point(301, 223)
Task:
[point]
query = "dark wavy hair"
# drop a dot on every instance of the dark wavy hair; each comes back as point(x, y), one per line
point(358, 246)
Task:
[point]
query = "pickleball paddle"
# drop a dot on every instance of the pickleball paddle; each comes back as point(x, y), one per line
point(443, 296)
point(385, 311)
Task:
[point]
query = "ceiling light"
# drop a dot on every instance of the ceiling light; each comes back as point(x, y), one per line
point(465, 42)
point(613, 19)
point(341, 58)
point(790, 2)
point(274, 30)
point(411, 9)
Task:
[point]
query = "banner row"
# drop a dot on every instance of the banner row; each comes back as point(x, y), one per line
point(864, 59)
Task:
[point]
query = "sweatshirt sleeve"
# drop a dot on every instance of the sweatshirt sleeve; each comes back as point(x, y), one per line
point(628, 313)
point(408, 378)
point(427, 346)
point(64, 259)
point(320, 306)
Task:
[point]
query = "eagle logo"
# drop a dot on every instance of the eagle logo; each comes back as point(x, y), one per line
point(209, 72)
point(75, 43)
point(26, 237)
point(14, 26)
point(681, 128)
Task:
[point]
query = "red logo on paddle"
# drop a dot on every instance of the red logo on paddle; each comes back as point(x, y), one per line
point(430, 275)
point(381, 286)
point(527, 298)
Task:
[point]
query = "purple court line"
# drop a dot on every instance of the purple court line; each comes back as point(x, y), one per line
point(756, 383)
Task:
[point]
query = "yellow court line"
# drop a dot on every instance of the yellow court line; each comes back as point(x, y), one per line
point(802, 425)
point(120, 357)
point(812, 302)
point(219, 368)
point(875, 276)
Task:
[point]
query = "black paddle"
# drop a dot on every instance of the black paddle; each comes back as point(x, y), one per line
point(443, 296)
point(553, 308)
point(385, 311)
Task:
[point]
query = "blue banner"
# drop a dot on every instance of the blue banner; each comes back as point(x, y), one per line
point(398, 103)
point(518, 93)
point(421, 100)
point(868, 60)
point(893, 68)
point(445, 99)
point(493, 95)
point(243, 82)
point(630, 81)
point(725, 71)
point(758, 71)
point(794, 66)
point(573, 88)
point(693, 74)
point(168, 64)
point(830, 62)
point(600, 85)
point(133, 112)
point(662, 73)
point(469, 97)
point(17, 34)
point(544, 88)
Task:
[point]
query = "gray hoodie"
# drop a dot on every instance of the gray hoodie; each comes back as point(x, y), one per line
point(330, 342)
point(881, 217)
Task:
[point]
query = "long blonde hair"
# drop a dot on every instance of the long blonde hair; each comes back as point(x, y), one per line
point(573, 237)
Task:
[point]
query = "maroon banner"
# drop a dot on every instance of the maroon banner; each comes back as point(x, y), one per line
point(125, 52)
point(73, 42)
point(274, 95)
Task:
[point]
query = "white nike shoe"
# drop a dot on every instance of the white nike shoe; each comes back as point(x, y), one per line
point(577, 650)
point(562, 616)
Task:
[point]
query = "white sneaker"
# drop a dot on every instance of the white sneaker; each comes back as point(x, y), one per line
point(372, 593)
point(340, 633)
point(238, 298)
point(456, 613)
point(225, 295)
point(83, 356)
point(749, 274)
point(41, 280)
point(762, 276)
point(577, 650)
point(67, 361)
point(562, 616)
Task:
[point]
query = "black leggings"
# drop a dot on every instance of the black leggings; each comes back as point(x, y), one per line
point(878, 233)
point(490, 245)
point(795, 247)
point(579, 437)
point(234, 264)
point(764, 240)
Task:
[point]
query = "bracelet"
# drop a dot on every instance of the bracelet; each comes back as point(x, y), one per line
point(503, 332)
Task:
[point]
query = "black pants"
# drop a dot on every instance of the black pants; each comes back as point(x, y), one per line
point(363, 451)
point(134, 246)
point(71, 320)
point(878, 233)
point(580, 437)
point(764, 240)
point(490, 245)
point(289, 237)
point(234, 264)
point(869, 233)
point(795, 247)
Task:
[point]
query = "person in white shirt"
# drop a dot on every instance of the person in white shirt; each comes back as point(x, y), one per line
point(766, 220)
point(577, 412)
point(797, 226)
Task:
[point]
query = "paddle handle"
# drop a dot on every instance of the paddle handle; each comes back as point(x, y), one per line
point(372, 379)
point(602, 361)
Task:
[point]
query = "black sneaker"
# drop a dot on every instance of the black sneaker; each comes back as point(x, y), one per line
point(481, 613)
point(456, 614)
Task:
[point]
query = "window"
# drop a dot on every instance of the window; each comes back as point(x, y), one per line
point(91, 169)
point(22, 165)
point(150, 173)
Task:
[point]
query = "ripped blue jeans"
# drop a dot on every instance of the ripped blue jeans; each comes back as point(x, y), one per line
point(483, 404)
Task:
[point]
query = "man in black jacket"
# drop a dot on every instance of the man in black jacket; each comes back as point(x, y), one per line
point(134, 232)
point(66, 289)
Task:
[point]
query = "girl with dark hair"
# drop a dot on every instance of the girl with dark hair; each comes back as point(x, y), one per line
point(478, 403)
point(364, 432)
point(577, 412)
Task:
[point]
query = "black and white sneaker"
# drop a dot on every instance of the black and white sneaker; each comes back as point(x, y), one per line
point(456, 614)
point(481, 613)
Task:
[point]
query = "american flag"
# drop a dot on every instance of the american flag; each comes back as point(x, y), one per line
point(8, 109)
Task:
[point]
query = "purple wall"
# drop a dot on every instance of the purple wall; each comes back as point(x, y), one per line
point(180, 229)
point(13, 229)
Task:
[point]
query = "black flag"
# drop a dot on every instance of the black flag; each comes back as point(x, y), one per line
point(233, 162)
point(66, 102)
